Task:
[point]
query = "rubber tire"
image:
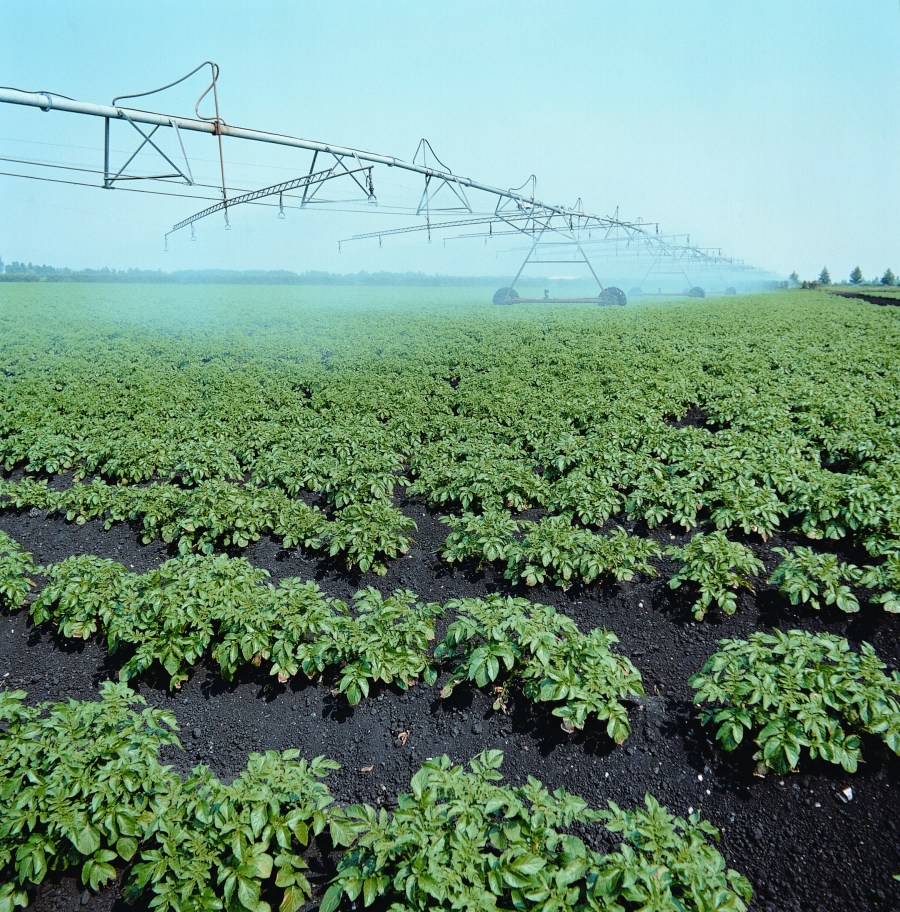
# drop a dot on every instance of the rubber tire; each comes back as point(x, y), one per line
point(505, 296)
point(612, 296)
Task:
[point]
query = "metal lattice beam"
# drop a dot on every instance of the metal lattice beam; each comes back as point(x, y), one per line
point(306, 181)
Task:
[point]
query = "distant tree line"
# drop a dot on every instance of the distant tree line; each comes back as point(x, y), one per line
point(856, 278)
point(32, 272)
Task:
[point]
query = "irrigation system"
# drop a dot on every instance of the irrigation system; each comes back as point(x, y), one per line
point(448, 202)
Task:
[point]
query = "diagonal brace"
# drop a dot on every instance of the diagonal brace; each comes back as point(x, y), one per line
point(148, 139)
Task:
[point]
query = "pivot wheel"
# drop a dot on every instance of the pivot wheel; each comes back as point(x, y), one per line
point(612, 295)
point(505, 296)
point(696, 292)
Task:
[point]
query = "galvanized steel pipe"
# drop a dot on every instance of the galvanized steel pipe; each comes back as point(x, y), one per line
point(47, 101)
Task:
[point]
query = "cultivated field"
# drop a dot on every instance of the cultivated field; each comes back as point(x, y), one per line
point(642, 551)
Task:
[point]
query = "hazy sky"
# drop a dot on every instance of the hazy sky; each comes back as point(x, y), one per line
point(766, 128)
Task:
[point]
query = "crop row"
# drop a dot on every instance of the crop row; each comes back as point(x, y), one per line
point(217, 513)
point(83, 789)
point(657, 486)
point(221, 514)
point(649, 471)
point(791, 690)
point(222, 606)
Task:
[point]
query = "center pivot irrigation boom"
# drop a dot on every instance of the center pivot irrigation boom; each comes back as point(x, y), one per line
point(444, 203)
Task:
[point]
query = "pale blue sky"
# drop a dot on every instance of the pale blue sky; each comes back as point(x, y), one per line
point(767, 128)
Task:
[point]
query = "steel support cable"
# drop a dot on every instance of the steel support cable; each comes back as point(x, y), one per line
point(40, 164)
point(61, 166)
point(322, 205)
point(196, 69)
point(57, 180)
point(38, 142)
point(67, 167)
point(319, 204)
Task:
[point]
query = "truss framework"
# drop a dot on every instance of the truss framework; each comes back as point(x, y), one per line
point(444, 201)
point(276, 189)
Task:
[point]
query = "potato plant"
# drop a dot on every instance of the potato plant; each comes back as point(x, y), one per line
point(16, 568)
point(884, 579)
point(797, 691)
point(27, 492)
point(461, 838)
point(453, 470)
point(168, 616)
point(717, 567)
point(209, 434)
point(212, 842)
point(589, 493)
point(277, 626)
point(82, 788)
point(657, 496)
point(479, 537)
point(194, 605)
point(222, 606)
point(552, 550)
point(746, 504)
point(210, 441)
point(368, 532)
point(218, 514)
point(387, 640)
point(542, 651)
point(82, 594)
point(805, 577)
point(345, 461)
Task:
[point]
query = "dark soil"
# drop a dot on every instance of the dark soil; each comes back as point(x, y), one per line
point(802, 846)
point(883, 300)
